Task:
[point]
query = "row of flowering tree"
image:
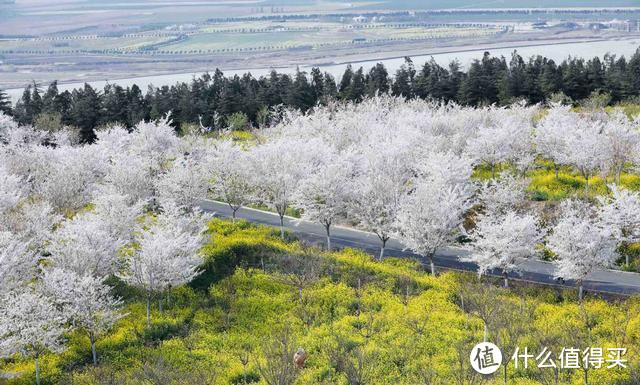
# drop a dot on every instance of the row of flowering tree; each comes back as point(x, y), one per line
point(72, 215)
point(404, 170)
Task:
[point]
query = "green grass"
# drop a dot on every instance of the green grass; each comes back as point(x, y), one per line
point(545, 185)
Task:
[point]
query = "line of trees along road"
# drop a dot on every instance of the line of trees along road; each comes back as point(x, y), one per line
point(216, 101)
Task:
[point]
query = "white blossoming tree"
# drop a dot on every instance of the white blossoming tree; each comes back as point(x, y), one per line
point(322, 196)
point(185, 183)
point(31, 325)
point(278, 168)
point(430, 217)
point(503, 241)
point(118, 216)
point(232, 176)
point(502, 194)
point(381, 181)
point(167, 254)
point(581, 242)
point(620, 212)
point(622, 142)
point(551, 135)
point(86, 245)
point(585, 147)
point(85, 301)
point(11, 191)
point(17, 261)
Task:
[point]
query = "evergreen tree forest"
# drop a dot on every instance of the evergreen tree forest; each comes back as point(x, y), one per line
point(217, 101)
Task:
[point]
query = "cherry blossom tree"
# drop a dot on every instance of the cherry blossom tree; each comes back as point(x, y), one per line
point(17, 261)
point(113, 140)
point(377, 191)
point(118, 216)
point(503, 241)
point(68, 177)
point(33, 223)
point(87, 245)
point(30, 324)
point(581, 242)
point(7, 124)
point(619, 211)
point(85, 301)
point(430, 217)
point(322, 196)
point(185, 183)
point(551, 135)
point(129, 175)
point(585, 147)
point(278, 168)
point(167, 254)
point(507, 139)
point(622, 142)
point(155, 142)
point(447, 167)
point(11, 190)
point(502, 194)
point(232, 176)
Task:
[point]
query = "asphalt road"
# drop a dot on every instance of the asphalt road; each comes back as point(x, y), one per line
point(602, 281)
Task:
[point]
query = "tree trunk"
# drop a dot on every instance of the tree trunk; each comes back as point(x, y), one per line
point(149, 309)
point(94, 353)
point(432, 265)
point(557, 169)
point(580, 291)
point(160, 303)
point(486, 331)
point(506, 279)
point(282, 226)
point(626, 258)
point(586, 185)
point(234, 210)
point(493, 171)
point(384, 244)
point(618, 172)
point(328, 228)
point(504, 371)
point(37, 369)
point(586, 377)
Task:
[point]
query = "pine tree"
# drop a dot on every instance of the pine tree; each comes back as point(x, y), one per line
point(5, 103)
point(357, 88)
point(114, 107)
point(136, 107)
point(85, 111)
point(301, 93)
point(50, 99)
point(345, 83)
point(377, 80)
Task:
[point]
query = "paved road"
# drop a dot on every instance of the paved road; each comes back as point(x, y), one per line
point(603, 281)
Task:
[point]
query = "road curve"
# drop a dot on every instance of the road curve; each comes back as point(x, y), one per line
point(601, 281)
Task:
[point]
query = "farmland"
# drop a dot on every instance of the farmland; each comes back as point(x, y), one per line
point(83, 40)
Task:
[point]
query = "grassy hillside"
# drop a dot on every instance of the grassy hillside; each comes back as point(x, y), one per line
point(360, 322)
